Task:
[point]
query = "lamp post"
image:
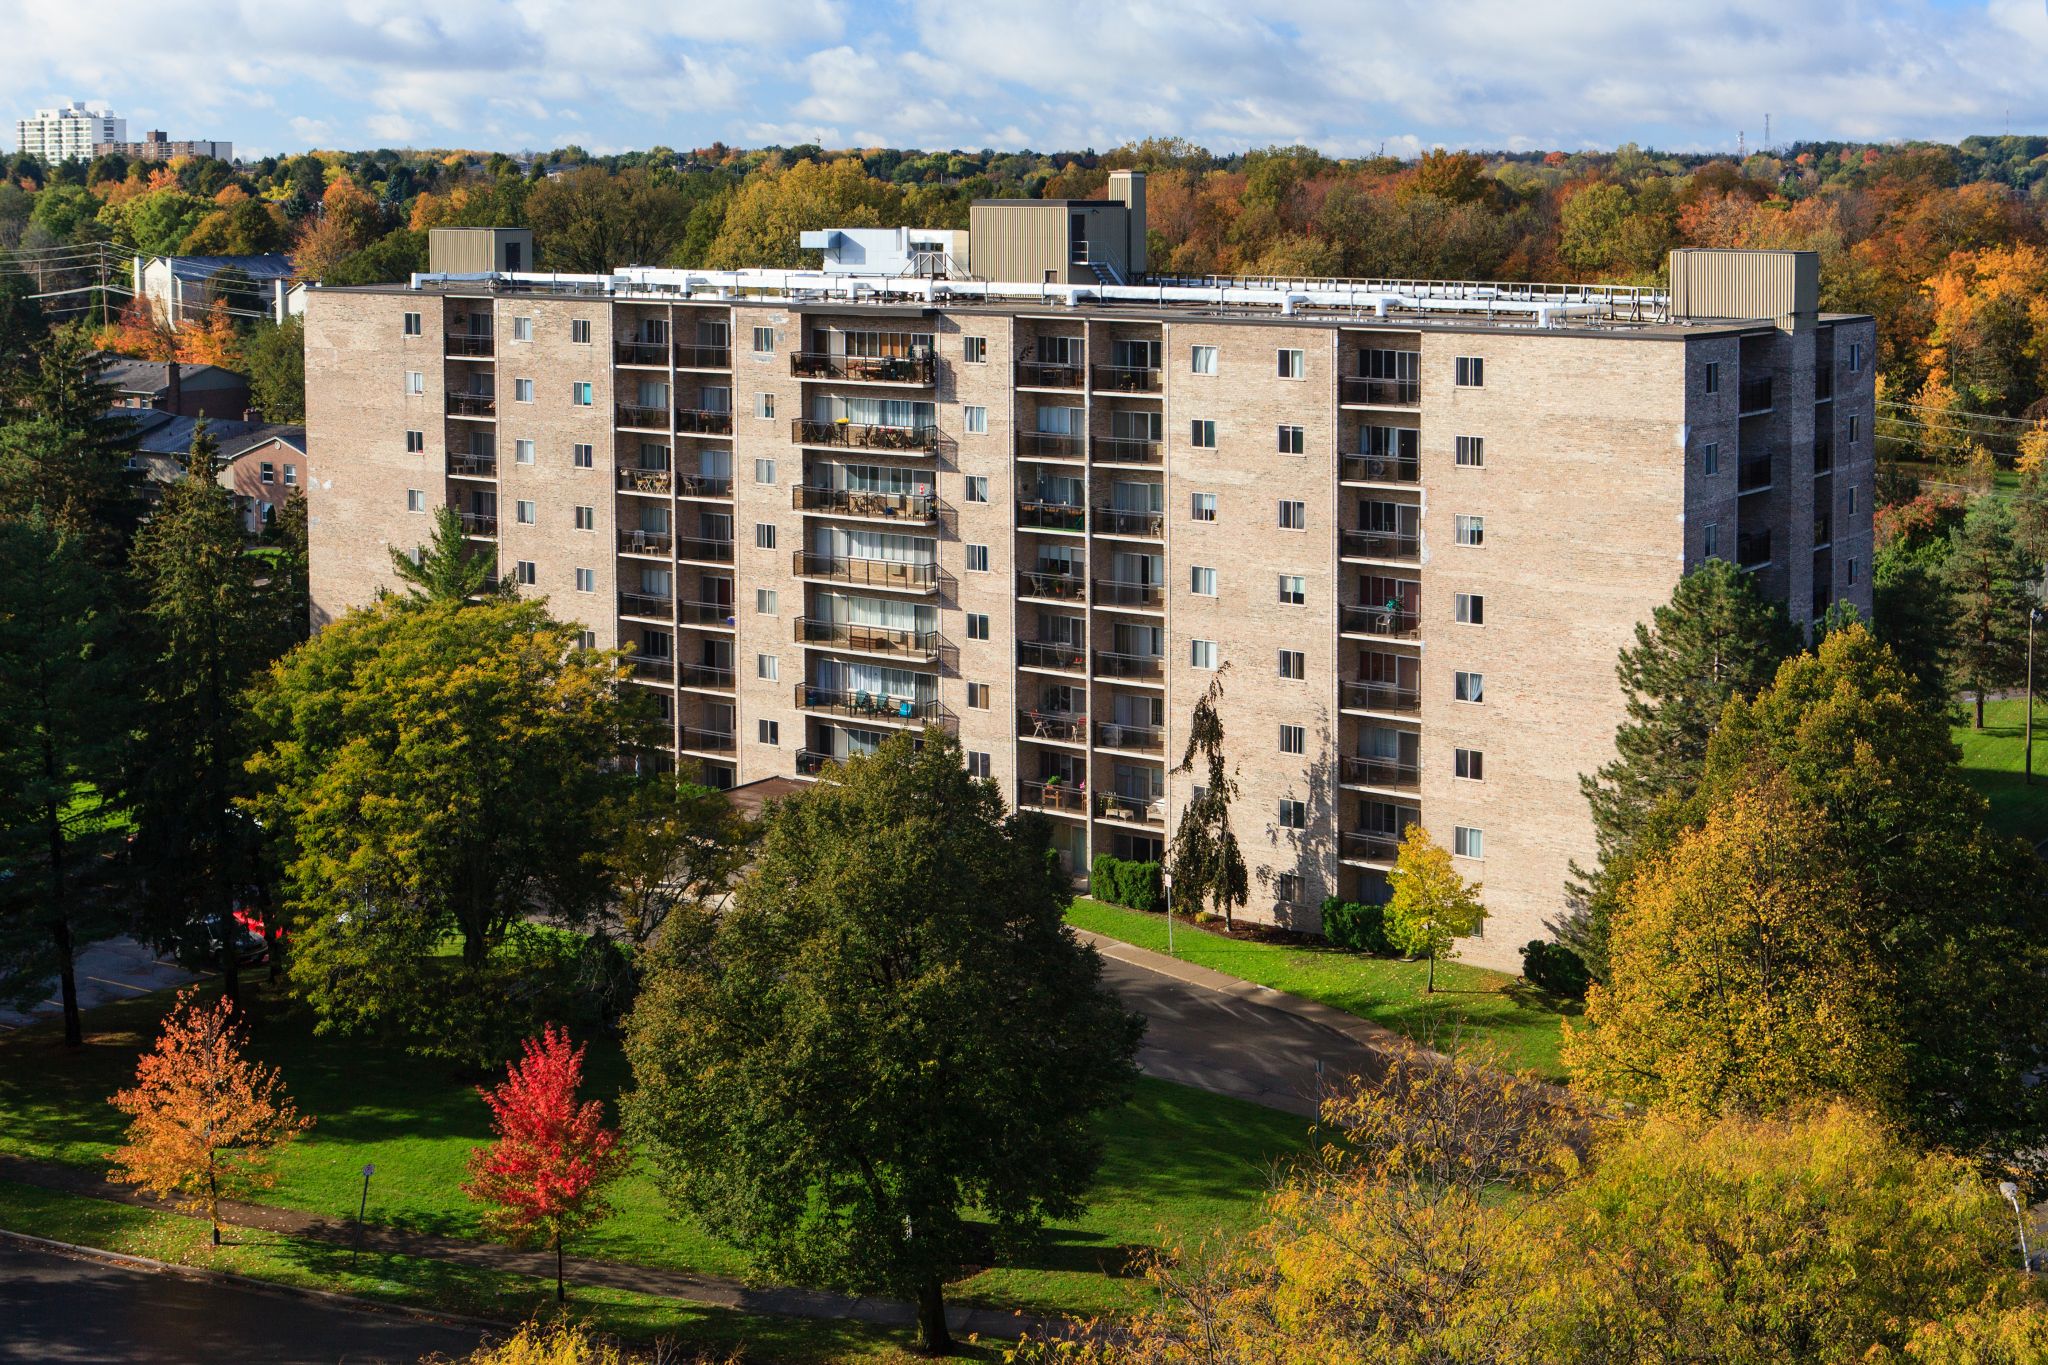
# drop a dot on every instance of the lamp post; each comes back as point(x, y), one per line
point(362, 1211)
point(2012, 1197)
point(1166, 888)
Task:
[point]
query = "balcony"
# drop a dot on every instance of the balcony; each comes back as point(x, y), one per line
point(652, 668)
point(921, 646)
point(646, 604)
point(1824, 453)
point(921, 370)
point(1065, 798)
point(1052, 516)
point(1353, 391)
point(709, 741)
point(863, 436)
point(473, 466)
point(851, 502)
point(1389, 624)
point(1753, 549)
point(1360, 771)
point(872, 706)
point(1380, 469)
point(704, 549)
point(1110, 664)
point(478, 523)
point(1033, 374)
point(1066, 727)
point(472, 405)
point(1149, 739)
point(703, 422)
point(1753, 474)
point(1120, 521)
point(640, 541)
point(1051, 654)
point(1137, 810)
point(1112, 592)
point(1128, 378)
point(1754, 396)
point(809, 762)
point(705, 613)
point(705, 677)
point(1052, 587)
point(704, 486)
point(1378, 696)
point(642, 353)
point(642, 418)
point(1052, 445)
point(471, 345)
point(1380, 544)
point(1141, 450)
point(703, 357)
point(656, 481)
point(873, 573)
point(1367, 846)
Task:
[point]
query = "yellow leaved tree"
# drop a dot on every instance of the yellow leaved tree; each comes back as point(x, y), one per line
point(1432, 906)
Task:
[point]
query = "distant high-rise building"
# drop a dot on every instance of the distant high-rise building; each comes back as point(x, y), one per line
point(74, 130)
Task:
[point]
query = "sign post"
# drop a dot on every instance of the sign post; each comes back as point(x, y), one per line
point(1166, 882)
point(362, 1211)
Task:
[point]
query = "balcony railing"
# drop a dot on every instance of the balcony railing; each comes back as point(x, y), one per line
point(645, 480)
point(705, 613)
point(1054, 795)
point(921, 645)
point(473, 466)
point(1057, 587)
point(1112, 592)
point(1057, 445)
point(640, 541)
point(709, 741)
point(705, 677)
point(646, 604)
point(1137, 809)
point(1051, 654)
point(643, 418)
point(1378, 696)
point(1380, 469)
point(705, 486)
point(870, 705)
point(1128, 378)
point(1364, 845)
point(1144, 738)
point(1753, 475)
point(470, 343)
point(1381, 544)
point(472, 405)
point(704, 549)
point(1755, 395)
point(922, 440)
point(1753, 549)
point(1378, 772)
point(651, 668)
point(1034, 374)
point(643, 353)
point(1111, 664)
point(704, 421)
point(809, 762)
point(1127, 450)
point(1381, 393)
point(478, 523)
point(1121, 521)
point(917, 369)
point(855, 502)
point(883, 573)
point(1390, 623)
point(1051, 516)
point(704, 357)
point(1068, 727)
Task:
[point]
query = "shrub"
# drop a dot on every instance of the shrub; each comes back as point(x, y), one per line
point(1123, 882)
point(1359, 927)
point(1105, 881)
point(1554, 968)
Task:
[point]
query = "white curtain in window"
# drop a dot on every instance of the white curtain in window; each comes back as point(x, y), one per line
point(1146, 640)
point(887, 613)
point(714, 462)
point(1133, 424)
point(1058, 488)
point(897, 684)
point(1128, 496)
point(847, 542)
point(873, 412)
point(1061, 421)
point(653, 394)
point(1129, 567)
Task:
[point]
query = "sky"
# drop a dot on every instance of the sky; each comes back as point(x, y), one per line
point(1346, 76)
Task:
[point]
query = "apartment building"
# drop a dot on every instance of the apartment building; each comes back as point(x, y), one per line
point(1417, 522)
point(157, 145)
point(69, 131)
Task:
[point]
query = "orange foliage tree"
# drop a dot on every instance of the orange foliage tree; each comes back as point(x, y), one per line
point(203, 1117)
point(140, 333)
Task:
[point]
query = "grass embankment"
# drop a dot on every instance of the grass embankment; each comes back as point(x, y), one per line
point(1994, 761)
point(1472, 1007)
point(1180, 1163)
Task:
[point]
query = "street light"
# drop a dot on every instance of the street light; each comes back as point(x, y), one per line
point(2012, 1197)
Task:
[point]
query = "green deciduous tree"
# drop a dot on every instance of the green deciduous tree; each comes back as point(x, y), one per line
point(1991, 584)
point(889, 1031)
point(1207, 866)
point(1432, 906)
point(448, 568)
point(591, 221)
point(678, 844)
point(275, 357)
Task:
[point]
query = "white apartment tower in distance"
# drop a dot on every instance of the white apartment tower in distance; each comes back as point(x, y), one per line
point(74, 130)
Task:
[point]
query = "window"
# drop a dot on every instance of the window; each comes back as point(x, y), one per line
point(1293, 589)
point(1852, 573)
point(1471, 451)
point(415, 442)
point(1287, 888)
point(977, 420)
point(1293, 664)
point(1710, 458)
point(1293, 515)
point(581, 394)
point(977, 488)
point(1294, 739)
point(291, 476)
point(1468, 687)
point(977, 625)
point(524, 512)
point(1852, 500)
point(768, 731)
point(588, 640)
point(1855, 426)
point(764, 405)
point(579, 331)
point(581, 455)
point(1202, 433)
point(1293, 814)
point(412, 324)
point(1202, 360)
point(268, 472)
point(1469, 764)
point(586, 518)
point(1467, 842)
point(1201, 581)
point(1471, 608)
point(974, 350)
point(1471, 372)
point(415, 382)
point(764, 535)
point(977, 696)
point(1293, 440)
point(522, 329)
point(1712, 376)
point(1205, 507)
point(977, 558)
point(1855, 357)
point(1292, 364)
point(767, 601)
point(1471, 530)
point(764, 340)
point(767, 667)
point(522, 451)
point(764, 471)
point(977, 761)
point(522, 390)
point(415, 500)
point(586, 580)
point(523, 572)
point(1202, 653)
point(1710, 540)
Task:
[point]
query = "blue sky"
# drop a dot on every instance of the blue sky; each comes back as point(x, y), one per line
point(1345, 75)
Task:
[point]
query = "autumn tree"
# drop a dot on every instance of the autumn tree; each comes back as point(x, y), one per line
point(545, 1176)
point(1992, 585)
point(1432, 906)
point(591, 221)
point(204, 1117)
point(1204, 860)
point(348, 221)
point(447, 568)
point(770, 211)
point(678, 844)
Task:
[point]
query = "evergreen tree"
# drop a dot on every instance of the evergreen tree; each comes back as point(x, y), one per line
point(60, 450)
point(1204, 860)
point(1991, 585)
point(448, 568)
point(23, 330)
point(290, 585)
point(1914, 617)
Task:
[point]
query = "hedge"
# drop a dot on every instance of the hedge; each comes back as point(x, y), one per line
point(1121, 881)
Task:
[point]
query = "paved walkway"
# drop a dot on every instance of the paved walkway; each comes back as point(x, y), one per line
point(113, 970)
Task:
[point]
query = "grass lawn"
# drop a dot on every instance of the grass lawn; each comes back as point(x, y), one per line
point(1179, 1162)
point(1472, 1006)
point(428, 1283)
point(1992, 763)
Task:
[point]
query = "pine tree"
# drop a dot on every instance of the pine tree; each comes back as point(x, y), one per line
point(62, 452)
point(1992, 586)
point(448, 569)
point(1205, 862)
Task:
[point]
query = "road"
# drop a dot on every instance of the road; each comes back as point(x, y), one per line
point(113, 970)
point(60, 1310)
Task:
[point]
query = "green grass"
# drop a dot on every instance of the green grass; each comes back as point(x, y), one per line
point(426, 1283)
point(1993, 763)
point(1472, 1006)
point(1179, 1162)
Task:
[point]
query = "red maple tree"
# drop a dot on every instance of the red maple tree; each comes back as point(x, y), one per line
point(544, 1178)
